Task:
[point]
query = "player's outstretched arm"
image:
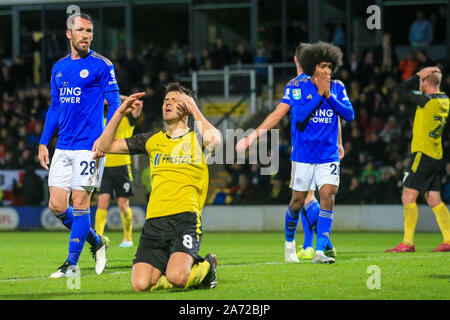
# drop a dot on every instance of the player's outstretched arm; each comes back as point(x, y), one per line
point(107, 142)
point(138, 104)
point(269, 122)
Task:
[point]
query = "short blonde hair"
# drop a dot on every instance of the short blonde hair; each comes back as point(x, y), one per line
point(434, 78)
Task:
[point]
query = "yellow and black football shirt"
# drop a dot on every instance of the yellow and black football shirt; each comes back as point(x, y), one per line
point(429, 120)
point(125, 130)
point(178, 172)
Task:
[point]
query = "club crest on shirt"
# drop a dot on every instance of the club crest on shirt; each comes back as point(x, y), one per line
point(296, 94)
point(84, 73)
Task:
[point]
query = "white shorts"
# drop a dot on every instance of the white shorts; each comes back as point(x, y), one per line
point(75, 170)
point(308, 176)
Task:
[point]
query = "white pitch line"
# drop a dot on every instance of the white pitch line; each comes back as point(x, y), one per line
point(259, 264)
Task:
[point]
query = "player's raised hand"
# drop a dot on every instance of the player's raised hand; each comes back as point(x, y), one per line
point(425, 72)
point(138, 105)
point(128, 105)
point(182, 109)
point(189, 103)
point(43, 156)
point(323, 83)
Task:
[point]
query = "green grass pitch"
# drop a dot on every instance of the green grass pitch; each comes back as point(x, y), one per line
point(251, 267)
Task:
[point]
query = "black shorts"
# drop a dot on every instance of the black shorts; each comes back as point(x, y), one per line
point(163, 236)
point(117, 181)
point(423, 173)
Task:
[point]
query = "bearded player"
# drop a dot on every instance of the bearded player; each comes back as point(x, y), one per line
point(80, 83)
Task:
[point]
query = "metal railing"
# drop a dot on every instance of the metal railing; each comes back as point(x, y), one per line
point(270, 74)
point(224, 75)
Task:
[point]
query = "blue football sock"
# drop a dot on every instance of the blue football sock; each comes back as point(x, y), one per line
point(78, 234)
point(92, 237)
point(324, 223)
point(307, 229)
point(67, 220)
point(67, 217)
point(329, 245)
point(290, 225)
point(310, 213)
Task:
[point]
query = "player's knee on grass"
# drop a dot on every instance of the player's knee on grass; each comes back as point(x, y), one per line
point(142, 281)
point(177, 277)
point(140, 284)
point(143, 277)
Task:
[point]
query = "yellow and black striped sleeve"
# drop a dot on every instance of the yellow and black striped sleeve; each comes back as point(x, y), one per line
point(131, 119)
point(136, 144)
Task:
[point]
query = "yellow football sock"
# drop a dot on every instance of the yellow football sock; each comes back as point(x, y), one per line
point(161, 284)
point(198, 273)
point(410, 216)
point(100, 220)
point(443, 220)
point(127, 221)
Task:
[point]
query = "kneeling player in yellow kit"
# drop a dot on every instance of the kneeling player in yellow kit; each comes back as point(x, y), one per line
point(167, 255)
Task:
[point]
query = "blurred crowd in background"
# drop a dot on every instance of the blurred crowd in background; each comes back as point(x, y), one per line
point(376, 144)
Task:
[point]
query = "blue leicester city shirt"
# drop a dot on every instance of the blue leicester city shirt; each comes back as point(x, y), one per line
point(79, 87)
point(314, 120)
point(286, 96)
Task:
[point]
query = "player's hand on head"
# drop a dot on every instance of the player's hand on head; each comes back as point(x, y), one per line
point(43, 156)
point(182, 109)
point(189, 102)
point(425, 72)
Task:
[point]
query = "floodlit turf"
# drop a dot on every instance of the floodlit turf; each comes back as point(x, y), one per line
point(250, 267)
